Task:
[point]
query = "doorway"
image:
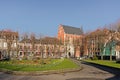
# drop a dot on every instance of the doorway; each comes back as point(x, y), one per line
point(69, 54)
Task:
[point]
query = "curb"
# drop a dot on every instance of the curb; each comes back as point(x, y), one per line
point(116, 70)
point(103, 65)
point(37, 73)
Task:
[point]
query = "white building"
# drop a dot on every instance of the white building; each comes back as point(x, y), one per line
point(8, 43)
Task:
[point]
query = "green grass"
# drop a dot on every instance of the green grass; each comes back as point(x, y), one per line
point(105, 62)
point(55, 64)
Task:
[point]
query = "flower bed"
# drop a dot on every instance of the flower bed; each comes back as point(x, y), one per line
point(38, 65)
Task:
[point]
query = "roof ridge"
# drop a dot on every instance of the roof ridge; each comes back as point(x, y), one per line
point(72, 30)
point(69, 26)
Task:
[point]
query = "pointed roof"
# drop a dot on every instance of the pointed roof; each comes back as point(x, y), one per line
point(72, 30)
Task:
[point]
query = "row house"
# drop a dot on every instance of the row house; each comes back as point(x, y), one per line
point(41, 48)
point(71, 37)
point(8, 43)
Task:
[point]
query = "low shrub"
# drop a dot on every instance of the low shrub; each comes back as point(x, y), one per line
point(95, 57)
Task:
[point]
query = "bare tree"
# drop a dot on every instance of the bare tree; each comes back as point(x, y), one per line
point(33, 40)
point(25, 36)
point(25, 39)
point(42, 50)
point(96, 42)
point(10, 38)
point(114, 34)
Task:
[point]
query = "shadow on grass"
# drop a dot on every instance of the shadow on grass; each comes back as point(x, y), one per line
point(111, 70)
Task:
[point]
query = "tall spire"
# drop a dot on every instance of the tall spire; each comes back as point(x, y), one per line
point(81, 28)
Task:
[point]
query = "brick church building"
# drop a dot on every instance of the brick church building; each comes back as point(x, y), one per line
point(71, 37)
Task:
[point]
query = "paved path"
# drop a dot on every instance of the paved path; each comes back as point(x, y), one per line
point(89, 72)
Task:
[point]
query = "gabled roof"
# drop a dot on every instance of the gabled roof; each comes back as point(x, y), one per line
point(72, 30)
point(46, 40)
point(49, 40)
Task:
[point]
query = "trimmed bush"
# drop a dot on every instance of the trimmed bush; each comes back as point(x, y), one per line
point(95, 57)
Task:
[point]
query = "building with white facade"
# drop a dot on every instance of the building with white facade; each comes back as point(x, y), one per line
point(8, 43)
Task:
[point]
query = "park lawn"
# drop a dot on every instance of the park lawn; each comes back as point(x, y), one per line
point(105, 62)
point(56, 64)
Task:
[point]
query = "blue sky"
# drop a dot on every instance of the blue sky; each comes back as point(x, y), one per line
point(44, 16)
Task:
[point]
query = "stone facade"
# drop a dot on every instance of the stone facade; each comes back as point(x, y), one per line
point(8, 43)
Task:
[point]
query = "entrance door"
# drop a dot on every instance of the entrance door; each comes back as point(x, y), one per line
point(69, 54)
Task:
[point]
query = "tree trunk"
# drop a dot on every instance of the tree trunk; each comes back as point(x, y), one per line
point(101, 55)
point(110, 54)
point(101, 51)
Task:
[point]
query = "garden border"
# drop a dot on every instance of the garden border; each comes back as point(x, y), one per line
point(47, 72)
point(36, 73)
point(103, 65)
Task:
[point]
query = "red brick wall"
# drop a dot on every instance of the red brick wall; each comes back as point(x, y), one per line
point(65, 37)
point(77, 54)
point(61, 33)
